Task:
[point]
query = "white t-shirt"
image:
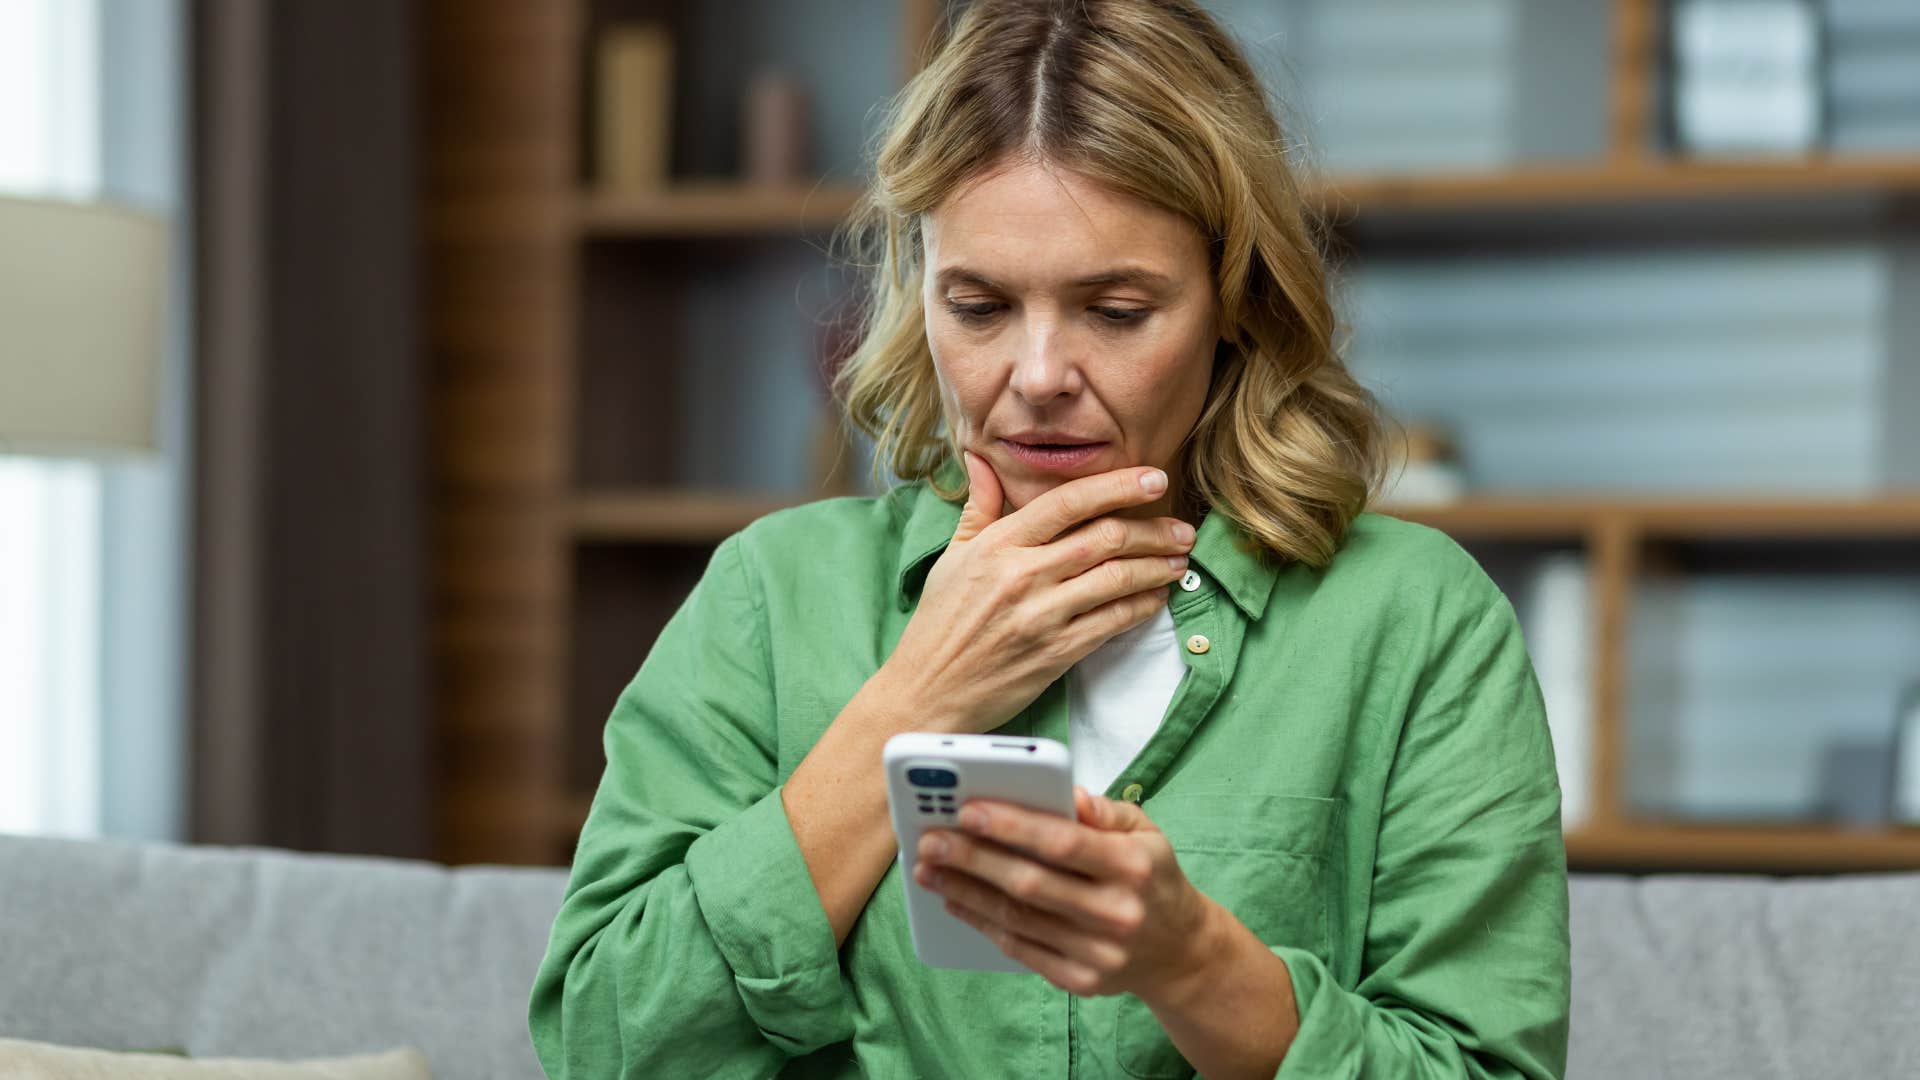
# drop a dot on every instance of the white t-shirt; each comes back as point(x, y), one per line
point(1116, 697)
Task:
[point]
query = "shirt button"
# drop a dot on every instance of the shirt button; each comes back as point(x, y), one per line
point(1131, 792)
point(1198, 643)
point(1190, 581)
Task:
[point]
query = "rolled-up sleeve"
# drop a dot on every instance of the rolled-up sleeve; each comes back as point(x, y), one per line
point(691, 941)
point(1466, 969)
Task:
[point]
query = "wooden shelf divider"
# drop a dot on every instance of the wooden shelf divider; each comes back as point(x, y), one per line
point(1632, 100)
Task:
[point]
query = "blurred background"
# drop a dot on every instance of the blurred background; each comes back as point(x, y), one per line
point(376, 377)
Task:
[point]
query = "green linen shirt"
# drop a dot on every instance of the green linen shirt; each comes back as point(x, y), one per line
point(1358, 768)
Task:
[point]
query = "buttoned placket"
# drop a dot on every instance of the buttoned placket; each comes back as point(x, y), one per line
point(1202, 611)
point(1211, 629)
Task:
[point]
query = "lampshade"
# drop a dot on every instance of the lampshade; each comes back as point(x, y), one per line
point(82, 289)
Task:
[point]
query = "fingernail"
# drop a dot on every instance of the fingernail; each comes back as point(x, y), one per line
point(971, 818)
point(1176, 562)
point(1154, 481)
point(935, 847)
point(1183, 532)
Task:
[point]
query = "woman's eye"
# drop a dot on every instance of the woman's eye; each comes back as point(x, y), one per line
point(1120, 316)
point(975, 312)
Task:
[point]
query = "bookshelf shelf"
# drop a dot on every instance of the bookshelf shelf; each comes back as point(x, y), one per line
point(1705, 517)
point(725, 208)
point(1766, 848)
point(713, 208)
point(1619, 184)
point(687, 514)
point(1651, 845)
point(667, 515)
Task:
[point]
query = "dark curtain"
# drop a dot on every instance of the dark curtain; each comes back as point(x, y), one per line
point(310, 716)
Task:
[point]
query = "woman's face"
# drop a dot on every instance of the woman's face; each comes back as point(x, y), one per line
point(1059, 311)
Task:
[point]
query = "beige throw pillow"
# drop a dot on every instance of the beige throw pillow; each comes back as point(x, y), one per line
point(23, 1060)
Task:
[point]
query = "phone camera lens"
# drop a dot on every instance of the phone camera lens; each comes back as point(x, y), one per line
point(934, 778)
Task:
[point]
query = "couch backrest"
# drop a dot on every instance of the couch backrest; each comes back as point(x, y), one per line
point(249, 951)
point(255, 952)
point(1746, 977)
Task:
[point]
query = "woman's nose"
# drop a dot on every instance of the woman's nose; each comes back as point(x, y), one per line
point(1042, 369)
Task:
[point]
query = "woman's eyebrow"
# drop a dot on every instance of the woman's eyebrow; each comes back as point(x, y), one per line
point(1129, 275)
point(1119, 275)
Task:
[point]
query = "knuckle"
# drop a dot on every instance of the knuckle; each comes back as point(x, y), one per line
point(1109, 959)
point(1055, 650)
point(1148, 572)
point(1128, 916)
point(1137, 868)
point(1019, 578)
point(1073, 506)
point(1085, 550)
point(1065, 845)
point(1082, 982)
point(1111, 533)
point(1115, 576)
point(1023, 884)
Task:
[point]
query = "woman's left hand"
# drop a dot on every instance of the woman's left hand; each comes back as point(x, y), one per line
point(1096, 906)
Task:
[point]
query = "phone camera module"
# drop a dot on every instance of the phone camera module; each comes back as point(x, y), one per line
point(932, 777)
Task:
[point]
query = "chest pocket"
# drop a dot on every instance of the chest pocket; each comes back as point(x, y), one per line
point(1264, 858)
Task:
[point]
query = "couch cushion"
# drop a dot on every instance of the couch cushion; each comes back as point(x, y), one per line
point(264, 953)
point(1745, 977)
point(25, 1060)
point(249, 952)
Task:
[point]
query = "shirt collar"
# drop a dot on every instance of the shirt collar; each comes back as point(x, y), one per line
point(1221, 548)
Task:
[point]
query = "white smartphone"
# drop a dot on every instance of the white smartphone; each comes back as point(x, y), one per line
point(929, 777)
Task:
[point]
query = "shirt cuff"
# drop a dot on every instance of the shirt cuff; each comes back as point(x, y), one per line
point(1328, 1043)
point(752, 885)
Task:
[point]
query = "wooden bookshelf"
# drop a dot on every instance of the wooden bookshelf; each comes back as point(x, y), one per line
point(556, 558)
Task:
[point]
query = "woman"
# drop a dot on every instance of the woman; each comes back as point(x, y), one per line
point(1329, 840)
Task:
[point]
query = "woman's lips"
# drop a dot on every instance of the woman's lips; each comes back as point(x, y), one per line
point(1053, 458)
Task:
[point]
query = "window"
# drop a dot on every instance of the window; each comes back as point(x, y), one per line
point(91, 628)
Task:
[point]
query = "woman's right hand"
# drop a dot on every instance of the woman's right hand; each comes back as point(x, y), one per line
point(1013, 602)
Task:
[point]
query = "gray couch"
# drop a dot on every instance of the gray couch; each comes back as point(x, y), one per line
point(249, 952)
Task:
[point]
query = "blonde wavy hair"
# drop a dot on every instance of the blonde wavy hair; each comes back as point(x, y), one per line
point(1153, 99)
